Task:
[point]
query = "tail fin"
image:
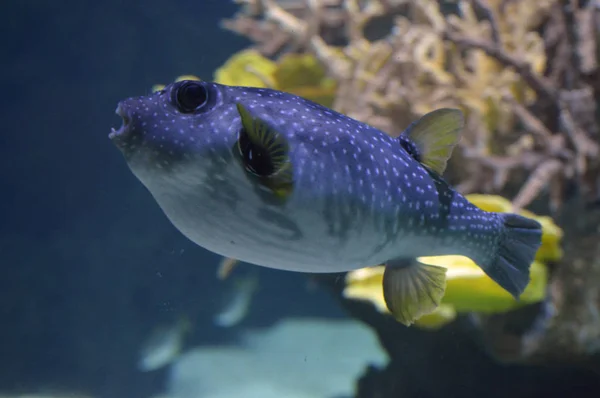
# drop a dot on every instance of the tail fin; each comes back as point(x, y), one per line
point(516, 251)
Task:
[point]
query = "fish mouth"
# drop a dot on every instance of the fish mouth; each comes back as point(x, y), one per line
point(122, 131)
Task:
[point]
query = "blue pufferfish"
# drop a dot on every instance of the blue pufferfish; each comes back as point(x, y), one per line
point(276, 180)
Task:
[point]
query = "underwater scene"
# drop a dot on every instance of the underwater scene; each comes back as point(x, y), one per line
point(300, 199)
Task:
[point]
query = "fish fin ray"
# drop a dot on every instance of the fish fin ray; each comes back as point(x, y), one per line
point(518, 245)
point(435, 135)
point(263, 134)
point(414, 290)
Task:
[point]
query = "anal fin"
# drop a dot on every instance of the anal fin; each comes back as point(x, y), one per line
point(412, 289)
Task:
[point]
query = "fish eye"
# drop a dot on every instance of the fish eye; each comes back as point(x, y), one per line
point(257, 159)
point(190, 96)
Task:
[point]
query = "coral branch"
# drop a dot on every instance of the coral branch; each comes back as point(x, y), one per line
point(538, 83)
point(491, 17)
point(536, 182)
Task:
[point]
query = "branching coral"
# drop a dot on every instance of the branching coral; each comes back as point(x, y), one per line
point(271, 38)
point(498, 60)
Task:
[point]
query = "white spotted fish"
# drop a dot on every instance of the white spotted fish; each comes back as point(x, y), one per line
point(276, 180)
point(163, 345)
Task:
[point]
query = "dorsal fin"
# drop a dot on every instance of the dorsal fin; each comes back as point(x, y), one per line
point(434, 136)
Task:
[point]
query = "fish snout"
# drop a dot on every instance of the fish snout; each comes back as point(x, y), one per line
point(120, 135)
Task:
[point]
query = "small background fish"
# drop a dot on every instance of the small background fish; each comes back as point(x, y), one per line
point(240, 288)
point(163, 345)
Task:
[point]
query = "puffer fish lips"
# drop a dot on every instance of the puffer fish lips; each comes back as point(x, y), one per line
point(119, 136)
point(131, 136)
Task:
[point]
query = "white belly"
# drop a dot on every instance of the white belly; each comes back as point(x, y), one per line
point(294, 237)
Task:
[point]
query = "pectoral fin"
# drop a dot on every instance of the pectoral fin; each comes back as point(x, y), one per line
point(412, 289)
